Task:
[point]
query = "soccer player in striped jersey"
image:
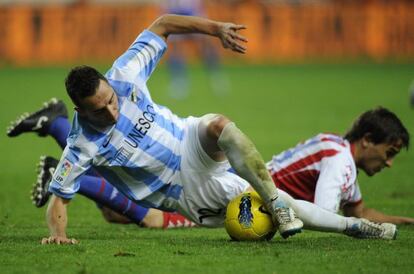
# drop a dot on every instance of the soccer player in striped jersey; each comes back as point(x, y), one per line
point(148, 153)
point(324, 169)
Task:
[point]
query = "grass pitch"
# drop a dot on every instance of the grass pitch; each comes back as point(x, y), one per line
point(277, 106)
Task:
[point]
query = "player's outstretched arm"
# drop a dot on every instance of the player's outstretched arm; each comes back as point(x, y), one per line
point(374, 215)
point(56, 218)
point(177, 24)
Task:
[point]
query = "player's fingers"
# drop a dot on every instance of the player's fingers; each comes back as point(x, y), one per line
point(238, 27)
point(236, 46)
point(239, 50)
point(238, 37)
point(48, 240)
point(66, 241)
point(45, 241)
point(74, 241)
point(225, 44)
point(231, 41)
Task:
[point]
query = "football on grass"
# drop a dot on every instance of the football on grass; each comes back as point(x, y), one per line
point(247, 219)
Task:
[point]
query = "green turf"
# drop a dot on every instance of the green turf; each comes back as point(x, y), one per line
point(277, 106)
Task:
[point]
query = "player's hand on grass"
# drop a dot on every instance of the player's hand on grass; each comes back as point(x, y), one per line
point(230, 38)
point(406, 220)
point(59, 240)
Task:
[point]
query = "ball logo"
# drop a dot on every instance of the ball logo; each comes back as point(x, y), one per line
point(245, 213)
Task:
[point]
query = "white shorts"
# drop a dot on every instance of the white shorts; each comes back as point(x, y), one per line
point(208, 186)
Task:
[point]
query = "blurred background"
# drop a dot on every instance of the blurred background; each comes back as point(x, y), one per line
point(67, 31)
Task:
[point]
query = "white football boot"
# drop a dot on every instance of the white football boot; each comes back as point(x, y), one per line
point(364, 229)
point(288, 223)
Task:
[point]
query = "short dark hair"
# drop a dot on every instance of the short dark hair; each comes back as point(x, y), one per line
point(81, 82)
point(382, 125)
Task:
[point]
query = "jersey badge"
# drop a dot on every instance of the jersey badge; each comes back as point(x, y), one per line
point(63, 171)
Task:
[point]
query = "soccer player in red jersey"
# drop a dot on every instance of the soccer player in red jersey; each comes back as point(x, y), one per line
point(324, 169)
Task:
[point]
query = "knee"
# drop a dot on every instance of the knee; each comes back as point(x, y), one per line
point(107, 215)
point(216, 125)
point(112, 217)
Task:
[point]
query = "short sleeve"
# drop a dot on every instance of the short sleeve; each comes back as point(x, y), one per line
point(336, 179)
point(76, 159)
point(65, 180)
point(353, 196)
point(139, 61)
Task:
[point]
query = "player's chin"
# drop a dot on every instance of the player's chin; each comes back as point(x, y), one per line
point(373, 172)
point(369, 172)
point(106, 123)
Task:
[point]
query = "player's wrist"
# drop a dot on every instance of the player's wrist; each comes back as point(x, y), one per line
point(215, 28)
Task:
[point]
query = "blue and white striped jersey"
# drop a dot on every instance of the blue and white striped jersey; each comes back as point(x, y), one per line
point(140, 153)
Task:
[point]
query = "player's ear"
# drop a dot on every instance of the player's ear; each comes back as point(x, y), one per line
point(366, 140)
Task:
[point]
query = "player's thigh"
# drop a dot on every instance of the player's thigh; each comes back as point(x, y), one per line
point(205, 196)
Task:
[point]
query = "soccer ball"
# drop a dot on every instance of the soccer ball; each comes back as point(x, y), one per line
point(247, 219)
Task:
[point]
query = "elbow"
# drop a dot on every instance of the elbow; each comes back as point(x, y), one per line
point(160, 25)
point(353, 214)
point(350, 212)
point(160, 21)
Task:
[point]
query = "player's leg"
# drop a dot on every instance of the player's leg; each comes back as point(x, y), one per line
point(153, 219)
point(112, 217)
point(51, 119)
point(221, 140)
point(103, 193)
point(115, 206)
point(316, 218)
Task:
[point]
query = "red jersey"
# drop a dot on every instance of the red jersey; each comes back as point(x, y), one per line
point(320, 170)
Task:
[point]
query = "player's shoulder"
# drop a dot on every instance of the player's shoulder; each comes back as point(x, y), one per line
point(332, 148)
point(342, 156)
point(331, 141)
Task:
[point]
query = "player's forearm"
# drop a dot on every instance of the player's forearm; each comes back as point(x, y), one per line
point(56, 216)
point(379, 217)
point(177, 24)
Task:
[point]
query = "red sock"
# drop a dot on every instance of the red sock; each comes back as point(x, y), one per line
point(175, 220)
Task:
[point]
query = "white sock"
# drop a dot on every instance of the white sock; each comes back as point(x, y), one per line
point(315, 217)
